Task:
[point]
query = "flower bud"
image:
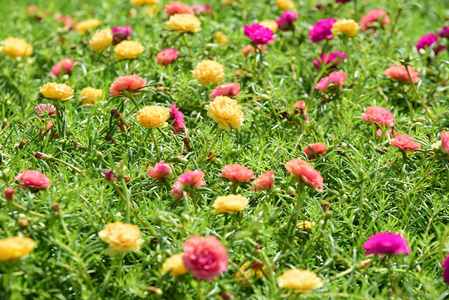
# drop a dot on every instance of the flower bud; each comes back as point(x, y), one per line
point(40, 155)
point(9, 194)
point(154, 290)
point(55, 207)
point(325, 206)
point(23, 222)
point(22, 143)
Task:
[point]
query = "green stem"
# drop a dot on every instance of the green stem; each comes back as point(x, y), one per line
point(69, 165)
point(217, 135)
point(418, 96)
point(156, 145)
point(133, 100)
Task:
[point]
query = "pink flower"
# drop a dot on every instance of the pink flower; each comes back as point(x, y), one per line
point(178, 117)
point(43, 109)
point(405, 142)
point(428, 41)
point(175, 7)
point(230, 89)
point(330, 61)
point(386, 243)
point(445, 266)
point(378, 116)
point(160, 171)
point(33, 179)
point(300, 107)
point(258, 34)
point(200, 8)
point(387, 133)
point(167, 56)
point(322, 30)
point(251, 49)
point(444, 33)
point(120, 34)
point(69, 23)
point(236, 172)
point(9, 194)
point(445, 140)
point(286, 19)
point(376, 15)
point(335, 79)
point(264, 182)
point(109, 176)
point(304, 171)
point(318, 149)
point(205, 257)
point(400, 73)
point(188, 180)
point(131, 83)
point(64, 66)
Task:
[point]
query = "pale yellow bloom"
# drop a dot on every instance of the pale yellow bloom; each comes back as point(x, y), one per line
point(142, 2)
point(229, 204)
point(101, 40)
point(270, 25)
point(286, 5)
point(183, 23)
point(15, 47)
point(15, 247)
point(150, 10)
point(56, 91)
point(305, 225)
point(87, 25)
point(221, 38)
point(346, 27)
point(89, 95)
point(121, 237)
point(209, 72)
point(152, 116)
point(249, 270)
point(299, 280)
point(175, 265)
point(128, 49)
point(226, 112)
point(227, 2)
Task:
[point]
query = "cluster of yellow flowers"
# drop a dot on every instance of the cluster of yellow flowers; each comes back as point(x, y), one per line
point(183, 23)
point(15, 47)
point(128, 49)
point(153, 116)
point(209, 72)
point(101, 40)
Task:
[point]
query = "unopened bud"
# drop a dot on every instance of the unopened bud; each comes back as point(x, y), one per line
point(154, 290)
point(186, 141)
point(108, 176)
point(115, 114)
point(23, 222)
point(258, 246)
point(227, 295)
point(76, 144)
point(325, 206)
point(40, 155)
point(56, 207)
point(364, 263)
point(127, 178)
point(22, 143)
point(4, 122)
point(9, 194)
point(122, 127)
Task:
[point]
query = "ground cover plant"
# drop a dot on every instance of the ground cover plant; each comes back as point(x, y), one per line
point(264, 149)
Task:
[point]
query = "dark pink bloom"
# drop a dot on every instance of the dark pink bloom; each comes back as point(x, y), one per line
point(43, 109)
point(319, 6)
point(64, 66)
point(33, 179)
point(264, 182)
point(167, 56)
point(9, 194)
point(188, 180)
point(160, 171)
point(335, 79)
point(175, 7)
point(121, 34)
point(330, 60)
point(378, 116)
point(230, 89)
point(386, 243)
point(405, 142)
point(109, 176)
point(444, 33)
point(236, 172)
point(178, 117)
point(322, 30)
point(205, 257)
point(306, 172)
point(445, 266)
point(342, 1)
point(318, 149)
point(286, 19)
point(131, 83)
point(259, 34)
point(251, 49)
point(200, 8)
point(376, 15)
point(399, 73)
point(445, 140)
point(428, 41)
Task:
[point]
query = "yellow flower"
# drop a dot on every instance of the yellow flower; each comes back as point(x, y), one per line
point(183, 23)
point(221, 38)
point(89, 95)
point(15, 47)
point(101, 40)
point(303, 225)
point(175, 265)
point(121, 237)
point(227, 2)
point(142, 2)
point(270, 25)
point(285, 5)
point(150, 10)
point(15, 247)
point(229, 204)
point(299, 280)
point(209, 72)
point(87, 25)
point(225, 111)
point(249, 270)
point(346, 27)
point(56, 91)
point(152, 116)
point(128, 49)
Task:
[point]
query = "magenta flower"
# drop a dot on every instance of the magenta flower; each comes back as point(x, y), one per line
point(188, 180)
point(178, 117)
point(445, 266)
point(378, 116)
point(121, 34)
point(286, 19)
point(330, 60)
point(386, 243)
point(342, 1)
point(259, 34)
point(199, 8)
point(322, 30)
point(427, 41)
point(33, 179)
point(64, 66)
point(160, 171)
point(167, 56)
point(230, 89)
point(205, 257)
point(43, 109)
point(335, 79)
point(444, 33)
